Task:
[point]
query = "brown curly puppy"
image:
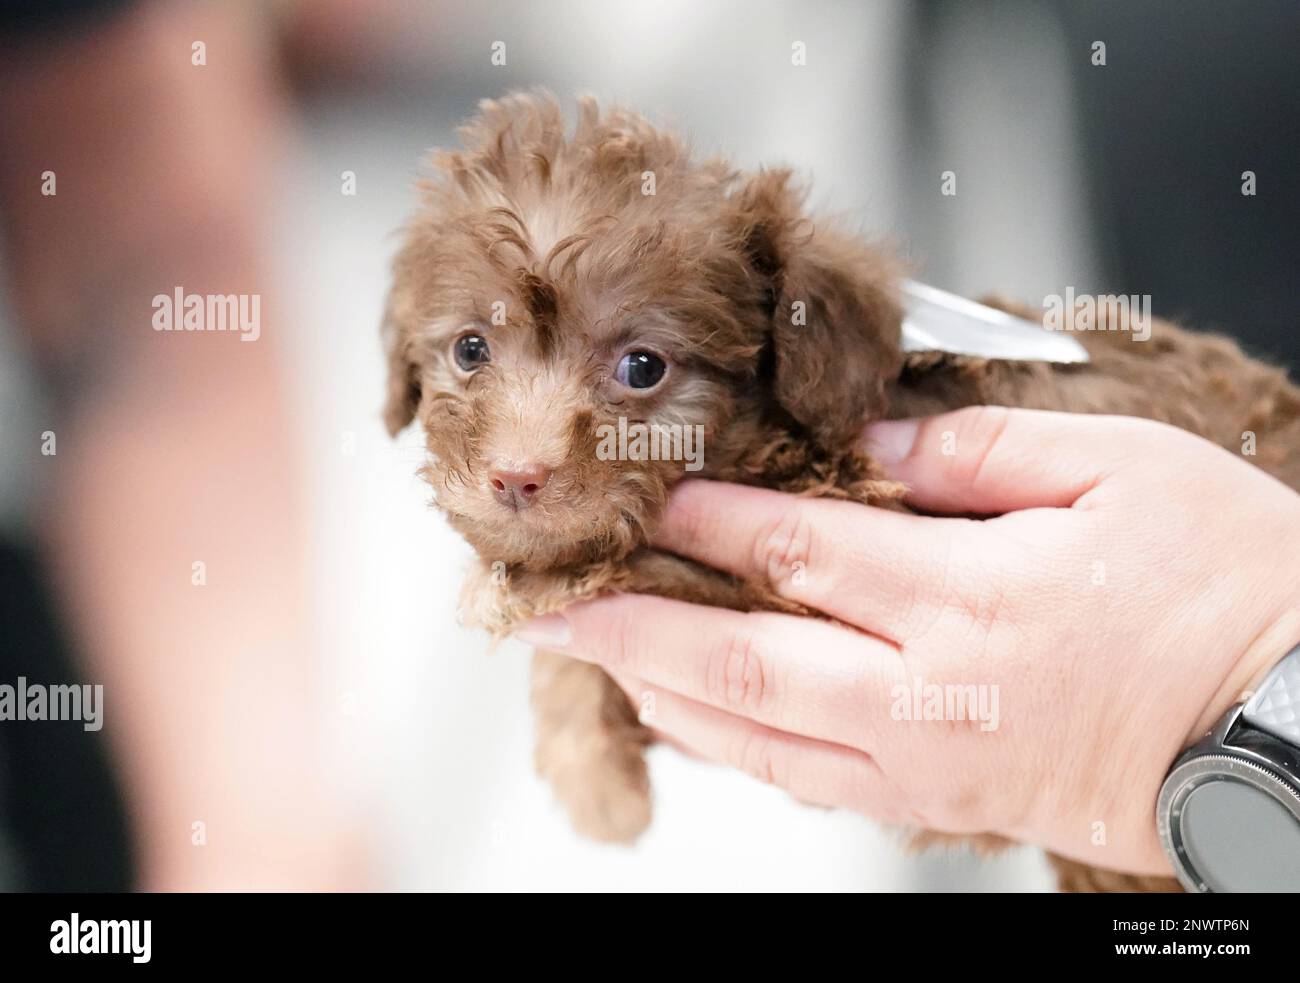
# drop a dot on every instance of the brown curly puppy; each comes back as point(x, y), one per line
point(555, 287)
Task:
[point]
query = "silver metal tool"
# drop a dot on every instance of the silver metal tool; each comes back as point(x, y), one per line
point(936, 320)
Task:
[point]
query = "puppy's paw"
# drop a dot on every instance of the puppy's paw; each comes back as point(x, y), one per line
point(487, 600)
point(591, 748)
point(606, 791)
point(612, 806)
point(499, 598)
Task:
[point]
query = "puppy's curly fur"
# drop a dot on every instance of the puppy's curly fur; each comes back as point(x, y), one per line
point(781, 337)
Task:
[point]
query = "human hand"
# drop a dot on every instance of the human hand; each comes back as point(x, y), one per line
point(1135, 581)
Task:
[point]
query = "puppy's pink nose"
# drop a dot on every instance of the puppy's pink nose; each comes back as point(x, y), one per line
point(517, 486)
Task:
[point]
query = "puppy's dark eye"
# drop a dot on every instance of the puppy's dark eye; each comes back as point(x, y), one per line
point(471, 351)
point(640, 370)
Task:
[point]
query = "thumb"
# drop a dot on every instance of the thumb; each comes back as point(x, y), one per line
point(987, 460)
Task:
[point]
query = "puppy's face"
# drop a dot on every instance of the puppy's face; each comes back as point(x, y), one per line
point(526, 370)
point(580, 322)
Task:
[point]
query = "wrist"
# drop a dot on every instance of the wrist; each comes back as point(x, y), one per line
point(1268, 648)
point(1228, 813)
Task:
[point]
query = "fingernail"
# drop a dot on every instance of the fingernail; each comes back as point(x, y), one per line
point(891, 441)
point(548, 631)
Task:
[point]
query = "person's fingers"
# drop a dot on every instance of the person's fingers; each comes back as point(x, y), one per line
point(813, 771)
point(882, 571)
point(989, 459)
point(643, 698)
point(801, 675)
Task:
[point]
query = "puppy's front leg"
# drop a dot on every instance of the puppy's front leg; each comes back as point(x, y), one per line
point(591, 748)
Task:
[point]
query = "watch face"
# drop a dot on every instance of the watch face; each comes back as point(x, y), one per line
point(1232, 826)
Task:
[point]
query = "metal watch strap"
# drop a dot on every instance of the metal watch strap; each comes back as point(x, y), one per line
point(1275, 707)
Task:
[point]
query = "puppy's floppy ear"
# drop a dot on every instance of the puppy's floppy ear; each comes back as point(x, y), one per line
point(835, 318)
point(403, 396)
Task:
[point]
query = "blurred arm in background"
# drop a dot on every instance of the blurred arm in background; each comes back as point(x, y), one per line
point(174, 448)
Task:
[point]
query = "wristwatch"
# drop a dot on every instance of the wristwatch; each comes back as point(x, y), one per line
point(1229, 811)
